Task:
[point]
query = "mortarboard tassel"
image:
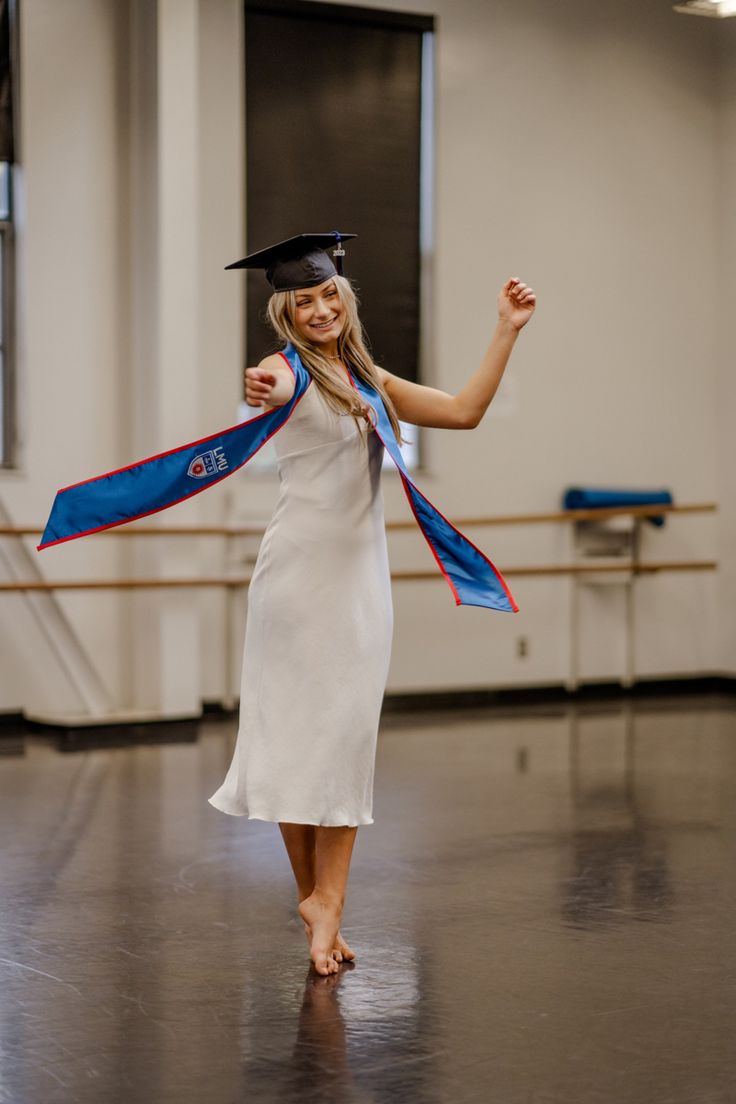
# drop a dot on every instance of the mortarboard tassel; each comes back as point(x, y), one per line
point(338, 252)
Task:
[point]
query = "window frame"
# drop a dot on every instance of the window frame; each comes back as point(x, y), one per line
point(8, 456)
point(9, 460)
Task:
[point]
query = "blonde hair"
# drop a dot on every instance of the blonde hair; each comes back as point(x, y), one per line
point(340, 395)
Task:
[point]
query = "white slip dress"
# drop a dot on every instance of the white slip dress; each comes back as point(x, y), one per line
point(318, 631)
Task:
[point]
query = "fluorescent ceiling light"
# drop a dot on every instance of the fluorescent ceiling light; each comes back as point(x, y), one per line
point(717, 8)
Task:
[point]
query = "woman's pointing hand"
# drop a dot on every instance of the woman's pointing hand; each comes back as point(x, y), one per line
point(259, 383)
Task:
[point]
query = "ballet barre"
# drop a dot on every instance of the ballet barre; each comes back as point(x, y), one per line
point(400, 576)
point(131, 530)
point(619, 548)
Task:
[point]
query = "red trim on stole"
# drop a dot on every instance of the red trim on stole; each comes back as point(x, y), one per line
point(406, 479)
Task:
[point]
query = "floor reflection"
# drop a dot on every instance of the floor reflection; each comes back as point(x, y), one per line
point(619, 855)
point(352, 1033)
point(542, 911)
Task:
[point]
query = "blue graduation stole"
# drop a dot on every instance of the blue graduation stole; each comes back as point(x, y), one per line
point(163, 480)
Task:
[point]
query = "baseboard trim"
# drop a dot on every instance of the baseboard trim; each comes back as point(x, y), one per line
point(77, 736)
point(85, 735)
point(11, 721)
point(555, 693)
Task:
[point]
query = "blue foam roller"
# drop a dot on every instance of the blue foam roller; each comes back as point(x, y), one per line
point(592, 498)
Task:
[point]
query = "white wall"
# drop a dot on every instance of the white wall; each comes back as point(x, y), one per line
point(97, 368)
point(70, 280)
point(577, 147)
point(586, 148)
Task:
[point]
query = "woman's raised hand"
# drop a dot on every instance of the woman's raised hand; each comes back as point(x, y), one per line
point(259, 384)
point(516, 303)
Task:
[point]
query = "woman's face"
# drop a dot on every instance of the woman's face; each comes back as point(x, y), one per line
point(319, 313)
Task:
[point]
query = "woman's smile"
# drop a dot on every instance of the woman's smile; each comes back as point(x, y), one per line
point(324, 325)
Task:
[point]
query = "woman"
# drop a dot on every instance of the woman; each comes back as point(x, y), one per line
point(320, 617)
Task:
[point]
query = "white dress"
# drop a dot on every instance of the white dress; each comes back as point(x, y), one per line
point(318, 631)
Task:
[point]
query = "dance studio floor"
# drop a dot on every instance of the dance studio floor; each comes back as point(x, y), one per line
point(544, 912)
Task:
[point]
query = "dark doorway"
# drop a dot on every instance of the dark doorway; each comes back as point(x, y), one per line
point(333, 142)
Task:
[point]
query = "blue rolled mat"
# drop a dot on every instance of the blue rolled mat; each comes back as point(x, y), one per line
point(591, 498)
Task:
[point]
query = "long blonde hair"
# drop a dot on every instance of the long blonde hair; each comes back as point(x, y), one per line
point(351, 348)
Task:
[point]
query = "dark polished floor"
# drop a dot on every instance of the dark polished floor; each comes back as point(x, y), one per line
point(544, 911)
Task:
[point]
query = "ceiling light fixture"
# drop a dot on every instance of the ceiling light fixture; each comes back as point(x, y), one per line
point(718, 9)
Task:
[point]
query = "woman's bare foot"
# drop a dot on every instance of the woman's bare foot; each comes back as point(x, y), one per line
point(322, 915)
point(340, 951)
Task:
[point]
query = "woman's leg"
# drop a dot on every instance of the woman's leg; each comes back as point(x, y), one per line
point(300, 840)
point(322, 910)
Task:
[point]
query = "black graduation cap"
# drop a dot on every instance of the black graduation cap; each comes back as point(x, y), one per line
point(301, 261)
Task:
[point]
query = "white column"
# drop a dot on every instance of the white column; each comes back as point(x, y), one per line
point(178, 331)
point(160, 393)
point(183, 223)
point(139, 385)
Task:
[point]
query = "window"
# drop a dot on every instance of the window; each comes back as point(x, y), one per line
point(338, 137)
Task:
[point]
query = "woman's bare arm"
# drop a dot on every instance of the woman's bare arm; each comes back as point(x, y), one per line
point(428, 406)
point(271, 384)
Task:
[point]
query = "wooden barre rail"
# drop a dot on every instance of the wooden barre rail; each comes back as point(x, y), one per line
point(130, 530)
point(403, 576)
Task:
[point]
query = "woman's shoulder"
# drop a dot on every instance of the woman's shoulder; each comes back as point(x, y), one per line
point(272, 360)
point(278, 363)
